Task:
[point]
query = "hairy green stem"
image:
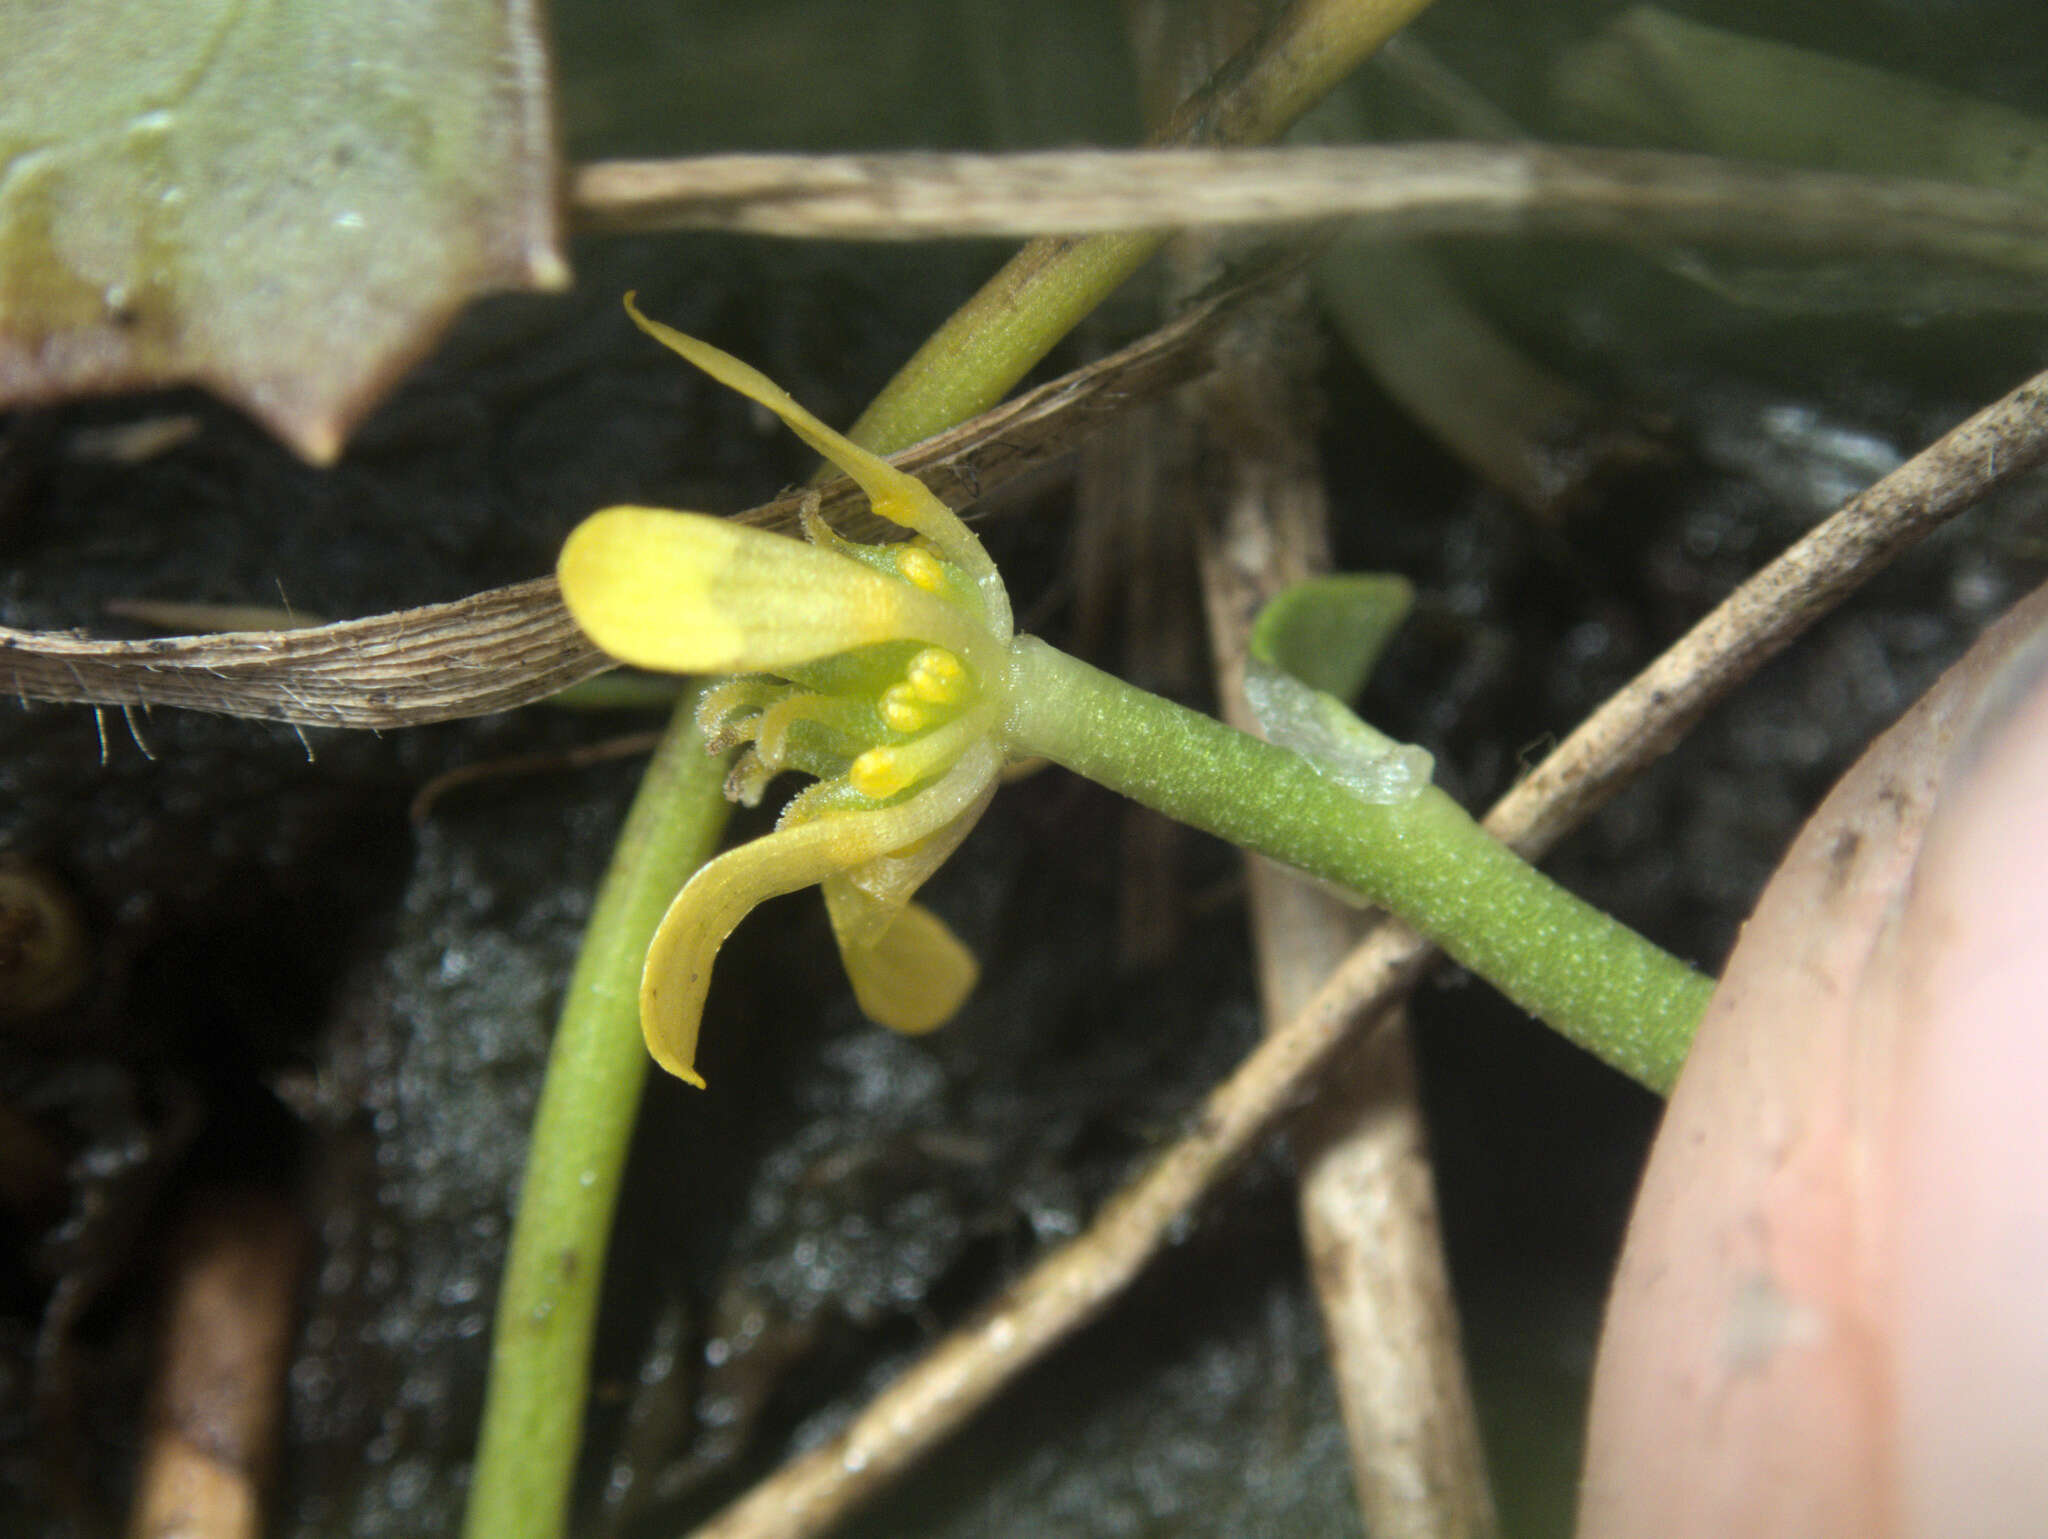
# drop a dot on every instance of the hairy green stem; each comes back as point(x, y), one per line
point(1041, 293)
point(547, 1304)
point(1424, 859)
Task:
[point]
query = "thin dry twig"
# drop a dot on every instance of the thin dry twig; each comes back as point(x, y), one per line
point(488, 652)
point(1238, 452)
point(1408, 190)
point(1073, 1284)
point(219, 1398)
point(428, 796)
point(1366, 1193)
point(511, 646)
point(1133, 573)
point(1644, 720)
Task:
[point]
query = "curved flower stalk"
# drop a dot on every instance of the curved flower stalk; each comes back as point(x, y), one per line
point(882, 670)
point(892, 675)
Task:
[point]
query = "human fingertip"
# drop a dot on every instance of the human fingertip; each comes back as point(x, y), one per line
point(1970, 1298)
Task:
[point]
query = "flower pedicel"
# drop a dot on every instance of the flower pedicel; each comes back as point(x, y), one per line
point(892, 675)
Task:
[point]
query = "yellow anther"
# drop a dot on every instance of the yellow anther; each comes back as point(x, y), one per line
point(882, 772)
point(920, 568)
point(878, 773)
point(937, 676)
point(902, 710)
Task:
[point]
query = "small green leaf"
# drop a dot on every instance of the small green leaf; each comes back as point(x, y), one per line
point(1329, 631)
point(1313, 643)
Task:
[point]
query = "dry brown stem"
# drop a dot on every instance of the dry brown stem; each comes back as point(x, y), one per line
point(1421, 189)
point(1238, 461)
point(1235, 457)
point(488, 652)
point(511, 646)
point(1367, 1196)
point(630, 746)
point(214, 1414)
point(1645, 719)
point(1073, 1284)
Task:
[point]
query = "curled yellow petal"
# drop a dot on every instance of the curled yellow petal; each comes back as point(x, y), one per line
point(720, 895)
point(864, 900)
point(677, 972)
point(916, 976)
point(687, 593)
point(892, 492)
point(899, 497)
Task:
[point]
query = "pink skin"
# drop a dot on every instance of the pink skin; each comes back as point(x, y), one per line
point(1831, 1317)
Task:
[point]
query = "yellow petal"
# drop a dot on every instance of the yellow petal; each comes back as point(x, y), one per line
point(720, 895)
point(865, 899)
point(677, 972)
point(894, 495)
point(687, 593)
point(916, 977)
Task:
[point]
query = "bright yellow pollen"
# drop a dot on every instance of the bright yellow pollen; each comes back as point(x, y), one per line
point(920, 568)
point(882, 772)
point(903, 710)
point(936, 675)
point(878, 773)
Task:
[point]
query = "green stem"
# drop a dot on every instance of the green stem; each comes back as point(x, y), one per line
point(1589, 977)
point(547, 1305)
point(1041, 293)
point(995, 339)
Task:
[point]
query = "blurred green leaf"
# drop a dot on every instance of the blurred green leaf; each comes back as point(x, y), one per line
point(285, 202)
point(1651, 74)
point(1328, 631)
point(1309, 650)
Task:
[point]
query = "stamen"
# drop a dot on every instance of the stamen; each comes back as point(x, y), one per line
point(725, 712)
point(937, 676)
point(748, 779)
point(882, 772)
point(921, 569)
point(811, 515)
point(772, 731)
point(903, 710)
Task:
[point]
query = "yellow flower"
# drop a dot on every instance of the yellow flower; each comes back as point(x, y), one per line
point(879, 669)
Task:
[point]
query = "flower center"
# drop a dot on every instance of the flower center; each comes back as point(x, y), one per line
point(870, 724)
